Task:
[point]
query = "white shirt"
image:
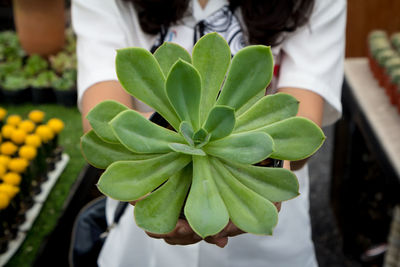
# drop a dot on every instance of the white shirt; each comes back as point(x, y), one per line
point(310, 58)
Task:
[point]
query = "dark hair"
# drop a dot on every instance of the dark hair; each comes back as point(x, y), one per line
point(265, 20)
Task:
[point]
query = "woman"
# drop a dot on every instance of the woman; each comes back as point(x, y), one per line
point(307, 39)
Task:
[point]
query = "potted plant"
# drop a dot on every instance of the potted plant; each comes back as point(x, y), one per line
point(204, 161)
point(42, 91)
point(15, 89)
point(65, 88)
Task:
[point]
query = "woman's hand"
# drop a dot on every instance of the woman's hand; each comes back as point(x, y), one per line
point(183, 234)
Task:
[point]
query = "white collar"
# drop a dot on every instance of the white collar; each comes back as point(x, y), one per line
point(212, 6)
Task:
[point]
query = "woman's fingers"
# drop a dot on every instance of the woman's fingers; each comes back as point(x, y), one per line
point(181, 235)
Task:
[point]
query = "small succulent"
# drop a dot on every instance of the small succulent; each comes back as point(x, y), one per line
point(15, 82)
point(221, 125)
point(63, 61)
point(66, 82)
point(43, 79)
point(34, 65)
point(10, 48)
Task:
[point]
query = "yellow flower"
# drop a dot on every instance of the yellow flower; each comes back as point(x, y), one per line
point(4, 201)
point(12, 178)
point(56, 125)
point(3, 113)
point(33, 140)
point(8, 148)
point(18, 136)
point(1, 139)
point(27, 152)
point(36, 116)
point(18, 165)
point(45, 133)
point(14, 120)
point(7, 130)
point(27, 125)
point(4, 160)
point(3, 170)
point(9, 190)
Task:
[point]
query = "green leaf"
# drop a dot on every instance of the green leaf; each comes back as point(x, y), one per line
point(200, 136)
point(294, 138)
point(101, 115)
point(250, 72)
point(101, 154)
point(185, 149)
point(183, 87)
point(169, 53)
point(248, 210)
point(269, 109)
point(130, 180)
point(249, 103)
point(205, 211)
point(211, 57)
point(248, 148)
point(187, 132)
point(159, 212)
point(274, 184)
point(140, 135)
point(220, 122)
point(141, 76)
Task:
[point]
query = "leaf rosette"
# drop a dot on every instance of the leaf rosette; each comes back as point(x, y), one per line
point(221, 125)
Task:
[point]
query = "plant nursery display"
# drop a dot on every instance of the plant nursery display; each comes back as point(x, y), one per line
point(384, 62)
point(34, 78)
point(28, 151)
point(207, 159)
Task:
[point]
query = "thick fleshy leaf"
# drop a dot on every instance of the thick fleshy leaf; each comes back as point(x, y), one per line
point(101, 115)
point(211, 57)
point(274, 184)
point(269, 109)
point(248, 210)
point(249, 74)
point(248, 148)
point(169, 53)
point(294, 138)
point(141, 76)
point(200, 136)
point(249, 103)
point(183, 87)
point(130, 180)
point(205, 210)
point(185, 149)
point(220, 122)
point(187, 132)
point(140, 135)
point(101, 154)
point(159, 212)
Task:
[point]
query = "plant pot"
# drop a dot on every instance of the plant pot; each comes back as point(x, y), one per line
point(43, 95)
point(16, 96)
point(66, 98)
point(40, 25)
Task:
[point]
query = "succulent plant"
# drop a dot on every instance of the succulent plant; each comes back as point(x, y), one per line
point(221, 124)
point(43, 79)
point(34, 65)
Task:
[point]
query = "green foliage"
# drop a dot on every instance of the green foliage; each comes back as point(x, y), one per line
point(63, 61)
point(44, 79)
point(34, 65)
point(15, 82)
point(216, 138)
point(10, 48)
point(66, 82)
